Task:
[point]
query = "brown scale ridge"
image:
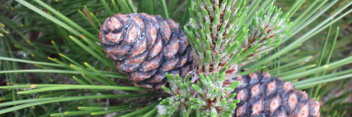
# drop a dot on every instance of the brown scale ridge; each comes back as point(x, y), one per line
point(261, 95)
point(146, 47)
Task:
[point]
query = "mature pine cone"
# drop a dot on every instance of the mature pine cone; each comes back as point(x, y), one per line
point(261, 95)
point(146, 47)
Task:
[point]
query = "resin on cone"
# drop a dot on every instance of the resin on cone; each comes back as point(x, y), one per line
point(261, 95)
point(146, 47)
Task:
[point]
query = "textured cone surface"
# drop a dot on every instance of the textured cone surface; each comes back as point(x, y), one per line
point(146, 47)
point(261, 95)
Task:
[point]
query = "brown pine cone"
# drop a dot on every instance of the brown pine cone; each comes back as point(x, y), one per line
point(146, 47)
point(261, 95)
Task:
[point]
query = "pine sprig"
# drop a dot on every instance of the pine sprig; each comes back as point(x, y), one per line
point(224, 40)
point(210, 96)
point(216, 33)
point(267, 31)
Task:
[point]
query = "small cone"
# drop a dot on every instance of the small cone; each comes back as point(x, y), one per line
point(261, 95)
point(146, 47)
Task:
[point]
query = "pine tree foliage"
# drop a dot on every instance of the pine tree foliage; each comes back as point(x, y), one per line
point(209, 97)
point(226, 35)
point(51, 58)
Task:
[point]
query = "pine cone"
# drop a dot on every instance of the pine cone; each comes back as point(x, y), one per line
point(261, 95)
point(146, 47)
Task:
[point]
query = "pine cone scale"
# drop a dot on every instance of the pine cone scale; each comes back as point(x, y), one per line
point(139, 47)
point(140, 76)
point(172, 48)
point(137, 59)
point(157, 48)
point(131, 35)
point(152, 64)
point(169, 65)
point(151, 34)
